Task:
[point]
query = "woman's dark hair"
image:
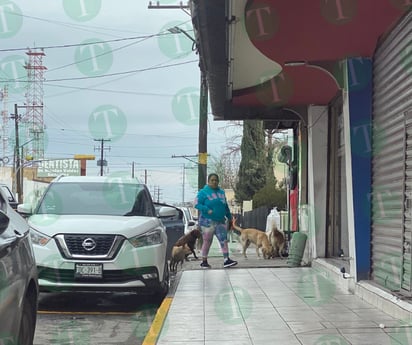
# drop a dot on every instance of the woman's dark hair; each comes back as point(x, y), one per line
point(211, 175)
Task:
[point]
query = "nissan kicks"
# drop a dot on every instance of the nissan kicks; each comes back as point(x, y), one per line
point(99, 234)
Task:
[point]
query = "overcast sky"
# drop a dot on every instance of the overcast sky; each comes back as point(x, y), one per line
point(114, 72)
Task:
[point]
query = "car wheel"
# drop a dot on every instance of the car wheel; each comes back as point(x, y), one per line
point(28, 320)
point(165, 283)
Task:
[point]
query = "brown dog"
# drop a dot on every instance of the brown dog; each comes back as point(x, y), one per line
point(189, 240)
point(277, 240)
point(255, 236)
point(178, 255)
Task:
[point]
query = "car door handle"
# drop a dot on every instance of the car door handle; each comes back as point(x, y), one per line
point(19, 235)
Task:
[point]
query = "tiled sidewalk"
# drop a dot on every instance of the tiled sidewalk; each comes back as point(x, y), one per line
point(264, 306)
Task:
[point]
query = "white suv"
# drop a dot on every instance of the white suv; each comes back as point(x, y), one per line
point(99, 234)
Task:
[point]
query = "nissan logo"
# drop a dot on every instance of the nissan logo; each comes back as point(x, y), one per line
point(89, 244)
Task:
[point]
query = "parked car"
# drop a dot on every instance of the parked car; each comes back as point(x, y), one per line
point(18, 278)
point(9, 195)
point(99, 234)
point(175, 226)
point(189, 221)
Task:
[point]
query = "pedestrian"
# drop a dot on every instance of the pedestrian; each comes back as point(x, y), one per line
point(214, 214)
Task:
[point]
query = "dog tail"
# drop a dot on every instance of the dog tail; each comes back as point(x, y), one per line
point(235, 227)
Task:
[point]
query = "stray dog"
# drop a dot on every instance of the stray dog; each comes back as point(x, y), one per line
point(189, 240)
point(277, 240)
point(178, 255)
point(255, 236)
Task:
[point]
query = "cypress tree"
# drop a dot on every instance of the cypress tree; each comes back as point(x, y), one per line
point(253, 165)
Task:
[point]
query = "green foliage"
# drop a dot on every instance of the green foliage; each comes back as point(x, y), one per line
point(253, 166)
point(270, 196)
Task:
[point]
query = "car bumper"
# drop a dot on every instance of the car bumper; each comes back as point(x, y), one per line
point(133, 269)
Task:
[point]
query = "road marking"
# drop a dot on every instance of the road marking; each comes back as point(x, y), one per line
point(157, 324)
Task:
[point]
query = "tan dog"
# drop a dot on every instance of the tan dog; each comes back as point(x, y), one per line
point(277, 240)
point(178, 255)
point(255, 236)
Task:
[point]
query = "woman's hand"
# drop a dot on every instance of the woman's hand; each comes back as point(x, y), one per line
point(209, 212)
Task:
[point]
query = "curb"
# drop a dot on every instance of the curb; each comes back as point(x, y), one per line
point(157, 324)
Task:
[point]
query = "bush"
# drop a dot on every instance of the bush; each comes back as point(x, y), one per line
point(270, 196)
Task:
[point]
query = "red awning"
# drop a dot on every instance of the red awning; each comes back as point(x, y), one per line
point(301, 34)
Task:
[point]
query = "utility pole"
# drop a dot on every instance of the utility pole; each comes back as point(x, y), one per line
point(17, 169)
point(203, 103)
point(102, 148)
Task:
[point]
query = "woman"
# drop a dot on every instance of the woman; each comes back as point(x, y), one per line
point(214, 213)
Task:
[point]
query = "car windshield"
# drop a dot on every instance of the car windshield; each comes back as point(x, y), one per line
point(96, 199)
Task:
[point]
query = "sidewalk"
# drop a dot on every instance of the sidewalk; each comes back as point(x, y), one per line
point(270, 305)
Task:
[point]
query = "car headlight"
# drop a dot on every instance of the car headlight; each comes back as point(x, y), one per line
point(39, 238)
point(147, 239)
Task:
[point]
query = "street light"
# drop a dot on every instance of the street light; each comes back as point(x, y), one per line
point(202, 154)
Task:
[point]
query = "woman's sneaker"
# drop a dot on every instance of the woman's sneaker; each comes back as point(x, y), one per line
point(204, 264)
point(229, 263)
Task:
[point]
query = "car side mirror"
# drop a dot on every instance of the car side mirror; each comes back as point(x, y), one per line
point(166, 211)
point(191, 223)
point(25, 209)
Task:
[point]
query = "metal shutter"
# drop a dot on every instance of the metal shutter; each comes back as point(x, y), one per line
point(392, 160)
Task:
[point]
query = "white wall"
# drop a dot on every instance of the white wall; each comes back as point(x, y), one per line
point(317, 180)
point(31, 189)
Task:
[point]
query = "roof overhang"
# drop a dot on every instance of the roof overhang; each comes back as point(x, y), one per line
point(260, 55)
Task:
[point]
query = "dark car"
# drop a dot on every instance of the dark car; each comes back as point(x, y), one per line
point(175, 226)
point(18, 278)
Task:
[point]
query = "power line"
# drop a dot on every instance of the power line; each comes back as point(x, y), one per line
point(86, 43)
point(107, 75)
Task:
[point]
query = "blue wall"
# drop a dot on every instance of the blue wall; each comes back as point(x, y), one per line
point(360, 109)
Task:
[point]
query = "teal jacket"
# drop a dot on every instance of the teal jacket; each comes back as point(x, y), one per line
point(215, 200)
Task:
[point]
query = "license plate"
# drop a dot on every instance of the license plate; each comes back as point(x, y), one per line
point(88, 271)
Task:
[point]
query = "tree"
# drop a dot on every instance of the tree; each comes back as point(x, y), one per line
point(227, 164)
point(253, 165)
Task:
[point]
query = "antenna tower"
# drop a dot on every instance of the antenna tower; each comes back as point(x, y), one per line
point(33, 119)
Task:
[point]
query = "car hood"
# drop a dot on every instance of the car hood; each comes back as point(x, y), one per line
point(52, 225)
